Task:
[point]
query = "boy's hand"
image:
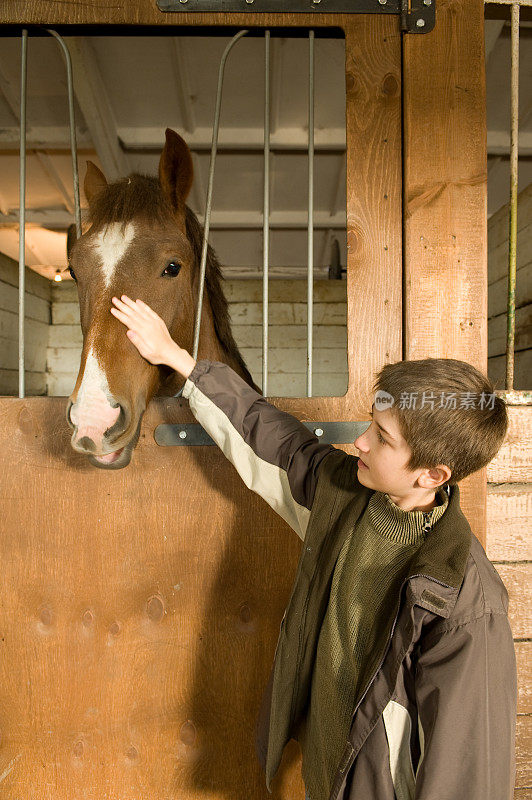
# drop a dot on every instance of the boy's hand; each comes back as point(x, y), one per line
point(149, 334)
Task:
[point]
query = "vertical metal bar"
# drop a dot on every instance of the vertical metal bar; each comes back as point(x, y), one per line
point(22, 212)
point(266, 215)
point(310, 229)
point(73, 144)
point(207, 220)
point(214, 147)
point(512, 236)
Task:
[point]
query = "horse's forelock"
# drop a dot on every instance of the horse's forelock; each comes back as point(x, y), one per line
point(142, 197)
point(134, 197)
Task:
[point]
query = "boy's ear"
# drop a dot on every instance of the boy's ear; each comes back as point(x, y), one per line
point(440, 474)
point(94, 183)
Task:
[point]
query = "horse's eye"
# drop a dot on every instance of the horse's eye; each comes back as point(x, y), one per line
point(71, 272)
point(172, 269)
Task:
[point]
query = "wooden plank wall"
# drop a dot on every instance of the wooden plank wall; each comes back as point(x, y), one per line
point(509, 544)
point(171, 704)
point(445, 244)
point(445, 201)
point(497, 293)
point(445, 241)
point(373, 113)
point(37, 319)
point(287, 335)
point(509, 547)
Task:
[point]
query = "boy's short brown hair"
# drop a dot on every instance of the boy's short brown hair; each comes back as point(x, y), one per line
point(447, 411)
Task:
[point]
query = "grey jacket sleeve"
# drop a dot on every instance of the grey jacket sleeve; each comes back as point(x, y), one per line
point(466, 689)
point(274, 453)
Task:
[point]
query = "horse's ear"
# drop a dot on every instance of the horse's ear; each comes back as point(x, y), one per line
point(72, 238)
point(175, 170)
point(94, 182)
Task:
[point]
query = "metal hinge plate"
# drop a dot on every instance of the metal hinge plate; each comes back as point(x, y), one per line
point(192, 434)
point(417, 16)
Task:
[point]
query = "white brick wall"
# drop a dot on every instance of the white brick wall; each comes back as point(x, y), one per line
point(287, 335)
point(37, 302)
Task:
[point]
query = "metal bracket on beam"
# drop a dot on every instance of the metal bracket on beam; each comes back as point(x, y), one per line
point(417, 16)
point(192, 434)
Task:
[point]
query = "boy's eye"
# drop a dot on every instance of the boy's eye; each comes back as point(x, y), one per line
point(383, 441)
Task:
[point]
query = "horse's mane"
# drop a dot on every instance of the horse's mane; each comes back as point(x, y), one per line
point(142, 196)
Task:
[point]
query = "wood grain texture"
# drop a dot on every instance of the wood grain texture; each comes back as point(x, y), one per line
point(523, 332)
point(509, 515)
point(512, 464)
point(146, 602)
point(141, 617)
point(152, 692)
point(522, 370)
point(374, 169)
point(518, 581)
point(498, 291)
point(145, 12)
point(498, 228)
point(445, 214)
point(523, 654)
point(374, 294)
point(523, 748)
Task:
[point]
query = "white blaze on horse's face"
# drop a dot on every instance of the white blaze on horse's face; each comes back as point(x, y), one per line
point(111, 245)
point(92, 413)
point(95, 409)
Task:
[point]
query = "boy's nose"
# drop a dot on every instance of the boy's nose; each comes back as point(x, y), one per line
point(360, 443)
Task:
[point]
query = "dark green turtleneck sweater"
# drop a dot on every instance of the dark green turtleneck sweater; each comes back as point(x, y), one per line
point(368, 574)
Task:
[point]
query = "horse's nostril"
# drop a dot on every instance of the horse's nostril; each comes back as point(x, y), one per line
point(119, 425)
point(69, 406)
point(87, 444)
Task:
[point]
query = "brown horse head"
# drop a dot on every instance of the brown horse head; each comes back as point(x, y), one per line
point(144, 242)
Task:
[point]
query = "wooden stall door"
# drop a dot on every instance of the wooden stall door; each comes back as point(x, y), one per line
point(140, 607)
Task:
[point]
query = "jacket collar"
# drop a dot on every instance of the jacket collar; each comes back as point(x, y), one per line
point(441, 558)
point(443, 554)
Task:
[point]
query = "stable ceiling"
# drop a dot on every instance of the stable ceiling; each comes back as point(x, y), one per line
point(129, 89)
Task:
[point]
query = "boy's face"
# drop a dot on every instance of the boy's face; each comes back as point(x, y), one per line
point(384, 454)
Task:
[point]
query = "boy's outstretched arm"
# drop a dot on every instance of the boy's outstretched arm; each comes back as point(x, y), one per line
point(466, 692)
point(274, 453)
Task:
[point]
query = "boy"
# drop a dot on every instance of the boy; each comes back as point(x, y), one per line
point(395, 665)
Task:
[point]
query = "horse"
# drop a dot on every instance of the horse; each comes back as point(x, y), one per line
point(145, 242)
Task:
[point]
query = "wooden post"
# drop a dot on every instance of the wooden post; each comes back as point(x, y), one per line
point(445, 202)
